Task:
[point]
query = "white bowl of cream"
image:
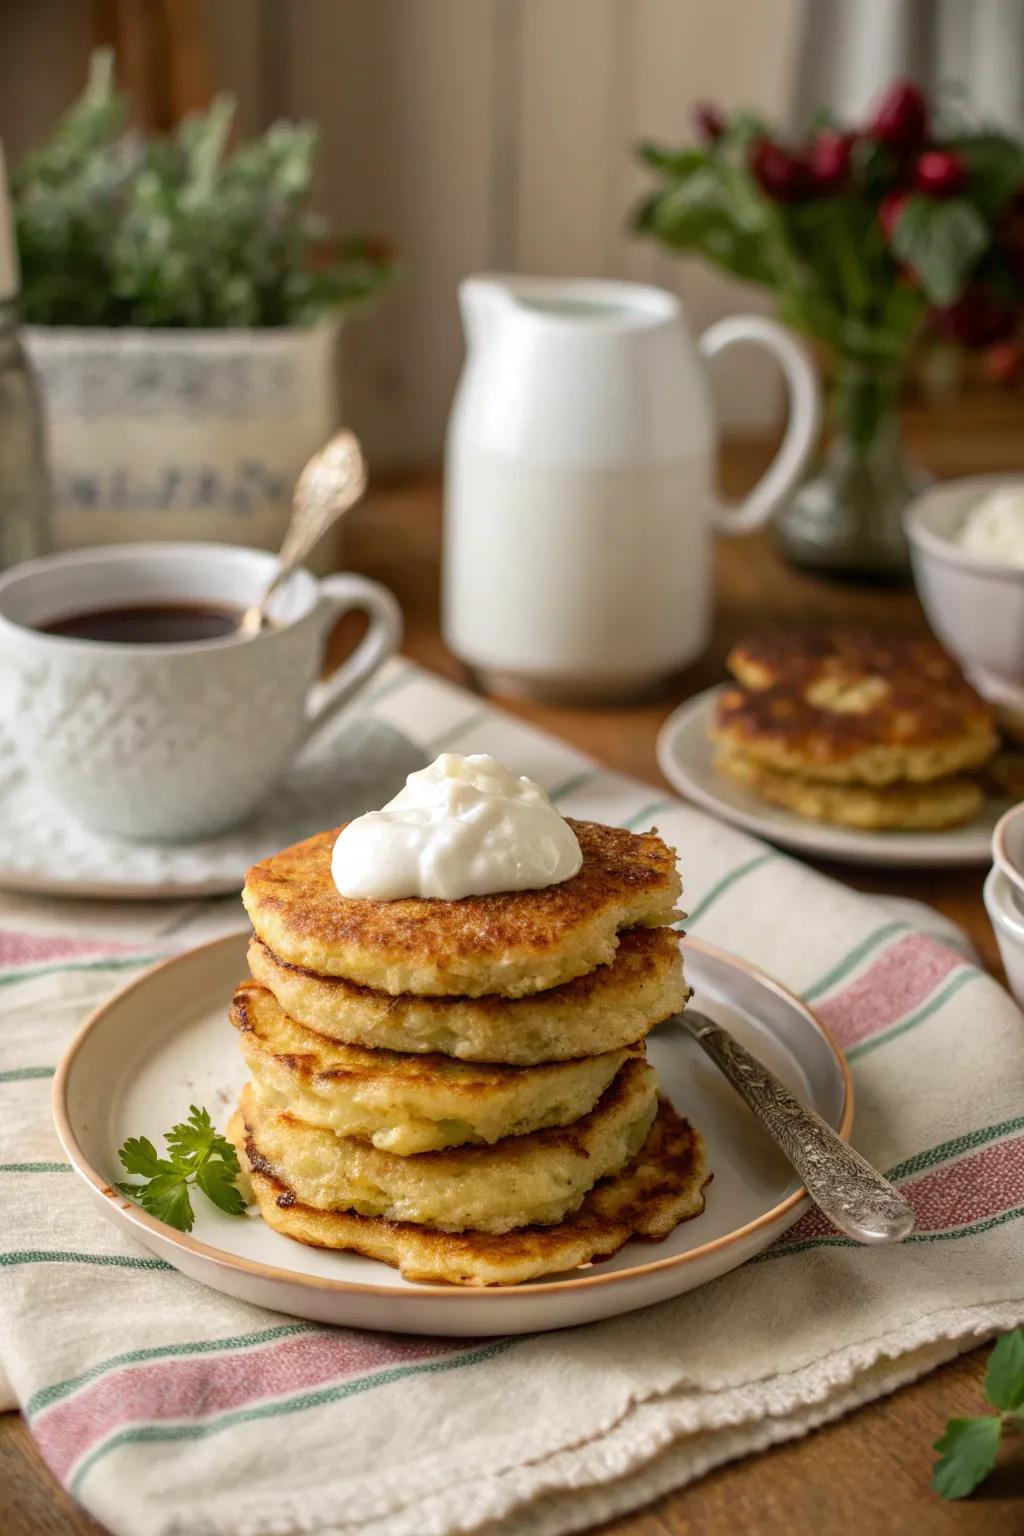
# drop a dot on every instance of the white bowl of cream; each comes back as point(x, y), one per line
point(967, 551)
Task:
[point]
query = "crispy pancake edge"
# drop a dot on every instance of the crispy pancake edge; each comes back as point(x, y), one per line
point(930, 806)
point(663, 1186)
point(511, 944)
point(536, 1178)
point(928, 724)
point(404, 1103)
point(612, 1006)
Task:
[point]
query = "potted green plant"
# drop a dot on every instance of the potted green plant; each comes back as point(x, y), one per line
point(869, 237)
point(183, 335)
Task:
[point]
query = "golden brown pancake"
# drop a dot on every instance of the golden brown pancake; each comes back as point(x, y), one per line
point(402, 1103)
point(511, 944)
point(661, 1187)
point(889, 807)
point(520, 1181)
point(852, 706)
point(611, 1007)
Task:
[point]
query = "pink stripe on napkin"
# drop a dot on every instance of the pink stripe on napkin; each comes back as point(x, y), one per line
point(896, 985)
point(202, 1388)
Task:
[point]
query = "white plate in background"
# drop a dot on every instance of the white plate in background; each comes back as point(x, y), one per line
point(686, 758)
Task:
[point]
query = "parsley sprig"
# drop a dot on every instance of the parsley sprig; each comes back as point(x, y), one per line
point(196, 1154)
point(968, 1449)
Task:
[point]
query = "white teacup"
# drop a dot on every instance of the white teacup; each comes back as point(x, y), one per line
point(178, 740)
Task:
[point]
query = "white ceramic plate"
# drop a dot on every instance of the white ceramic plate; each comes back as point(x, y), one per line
point(686, 758)
point(164, 1042)
point(354, 767)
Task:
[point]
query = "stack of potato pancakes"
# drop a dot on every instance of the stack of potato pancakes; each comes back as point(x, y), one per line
point(459, 1088)
point(854, 727)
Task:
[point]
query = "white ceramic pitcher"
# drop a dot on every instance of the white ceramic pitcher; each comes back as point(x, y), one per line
point(579, 503)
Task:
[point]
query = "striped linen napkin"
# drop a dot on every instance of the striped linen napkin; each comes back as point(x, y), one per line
point(167, 1408)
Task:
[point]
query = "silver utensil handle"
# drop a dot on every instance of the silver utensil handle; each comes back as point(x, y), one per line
point(852, 1194)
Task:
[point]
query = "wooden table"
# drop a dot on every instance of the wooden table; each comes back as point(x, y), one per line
point(866, 1475)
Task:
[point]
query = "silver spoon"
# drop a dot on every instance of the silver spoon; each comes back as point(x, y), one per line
point(330, 485)
point(843, 1185)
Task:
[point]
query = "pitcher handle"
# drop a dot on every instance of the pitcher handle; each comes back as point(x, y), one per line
point(801, 430)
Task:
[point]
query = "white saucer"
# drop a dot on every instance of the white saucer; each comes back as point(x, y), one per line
point(686, 758)
point(351, 769)
point(164, 1042)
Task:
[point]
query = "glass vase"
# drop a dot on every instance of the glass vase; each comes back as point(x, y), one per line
point(845, 518)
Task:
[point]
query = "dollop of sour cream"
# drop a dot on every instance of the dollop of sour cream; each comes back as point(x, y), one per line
point(464, 826)
point(994, 527)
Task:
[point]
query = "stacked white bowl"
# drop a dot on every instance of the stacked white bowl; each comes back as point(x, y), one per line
point(1004, 895)
point(975, 604)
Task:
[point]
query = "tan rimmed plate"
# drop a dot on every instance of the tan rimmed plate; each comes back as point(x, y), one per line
point(163, 1042)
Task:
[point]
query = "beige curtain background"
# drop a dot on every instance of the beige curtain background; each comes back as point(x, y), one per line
point(498, 134)
point(848, 46)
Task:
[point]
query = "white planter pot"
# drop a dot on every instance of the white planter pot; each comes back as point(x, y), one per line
point(177, 434)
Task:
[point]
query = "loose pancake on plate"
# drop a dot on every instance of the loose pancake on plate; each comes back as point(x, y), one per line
point(407, 1103)
point(512, 944)
point(538, 1178)
point(611, 1007)
point(662, 1186)
point(852, 706)
point(906, 807)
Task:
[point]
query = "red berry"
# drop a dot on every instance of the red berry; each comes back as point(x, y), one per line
point(708, 121)
point(940, 173)
point(782, 174)
point(830, 158)
point(901, 117)
point(977, 319)
point(1003, 362)
point(891, 211)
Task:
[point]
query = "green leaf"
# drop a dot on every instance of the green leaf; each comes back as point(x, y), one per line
point(874, 165)
point(216, 1179)
point(1004, 1379)
point(995, 168)
point(167, 1198)
point(198, 1153)
point(676, 163)
point(967, 1454)
point(115, 229)
point(138, 1155)
point(191, 1140)
point(942, 241)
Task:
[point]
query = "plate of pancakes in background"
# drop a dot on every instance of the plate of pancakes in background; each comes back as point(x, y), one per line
point(465, 1117)
point(849, 744)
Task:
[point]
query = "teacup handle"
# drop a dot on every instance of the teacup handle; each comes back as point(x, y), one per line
point(339, 594)
point(801, 430)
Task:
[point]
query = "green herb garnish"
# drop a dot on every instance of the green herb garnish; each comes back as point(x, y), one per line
point(968, 1449)
point(196, 1154)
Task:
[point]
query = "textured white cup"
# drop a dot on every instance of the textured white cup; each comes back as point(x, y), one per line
point(165, 742)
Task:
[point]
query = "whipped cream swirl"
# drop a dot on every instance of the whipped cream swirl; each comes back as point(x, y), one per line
point(464, 826)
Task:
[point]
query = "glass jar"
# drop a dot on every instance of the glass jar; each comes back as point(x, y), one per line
point(845, 519)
